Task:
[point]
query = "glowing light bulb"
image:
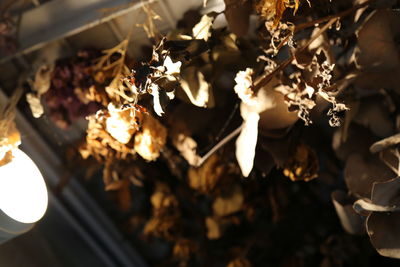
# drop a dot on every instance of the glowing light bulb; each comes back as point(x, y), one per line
point(23, 193)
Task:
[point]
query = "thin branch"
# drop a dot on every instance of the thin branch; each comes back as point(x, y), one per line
point(7, 114)
point(227, 122)
point(335, 16)
point(228, 138)
point(284, 41)
point(222, 130)
point(264, 80)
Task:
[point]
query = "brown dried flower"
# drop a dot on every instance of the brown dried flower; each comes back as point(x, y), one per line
point(273, 9)
point(302, 165)
point(151, 138)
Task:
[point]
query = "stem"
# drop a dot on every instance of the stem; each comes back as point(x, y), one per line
point(262, 81)
point(8, 113)
point(227, 122)
point(284, 41)
point(220, 144)
point(222, 130)
point(335, 16)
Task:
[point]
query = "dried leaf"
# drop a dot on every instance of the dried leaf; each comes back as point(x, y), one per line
point(281, 35)
point(205, 178)
point(183, 250)
point(173, 69)
point(264, 160)
point(196, 87)
point(101, 144)
point(162, 198)
point(361, 172)
point(384, 232)
point(269, 102)
point(214, 230)
point(226, 54)
point(239, 262)
point(297, 99)
point(386, 193)
point(279, 147)
point(351, 221)
point(385, 143)
point(185, 50)
point(187, 146)
point(115, 185)
point(374, 113)
point(124, 196)
point(165, 222)
point(165, 227)
point(310, 82)
point(357, 141)
point(202, 29)
point(267, 110)
point(226, 205)
point(274, 8)
point(385, 197)
point(237, 13)
point(158, 77)
point(119, 125)
point(151, 139)
point(377, 50)
point(277, 116)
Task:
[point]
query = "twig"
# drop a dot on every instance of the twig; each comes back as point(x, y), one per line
point(222, 130)
point(284, 41)
point(264, 80)
point(8, 113)
point(335, 16)
point(228, 138)
point(227, 122)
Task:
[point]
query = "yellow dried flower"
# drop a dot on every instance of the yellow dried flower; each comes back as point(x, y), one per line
point(151, 139)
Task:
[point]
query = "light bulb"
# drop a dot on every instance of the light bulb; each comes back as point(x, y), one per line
point(23, 193)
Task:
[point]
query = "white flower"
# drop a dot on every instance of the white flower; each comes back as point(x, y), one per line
point(243, 86)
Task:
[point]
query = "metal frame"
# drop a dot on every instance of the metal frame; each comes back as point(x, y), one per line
point(59, 19)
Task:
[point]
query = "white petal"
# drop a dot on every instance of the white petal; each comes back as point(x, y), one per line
point(172, 68)
point(202, 29)
point(246, 143)
point(156, 101)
